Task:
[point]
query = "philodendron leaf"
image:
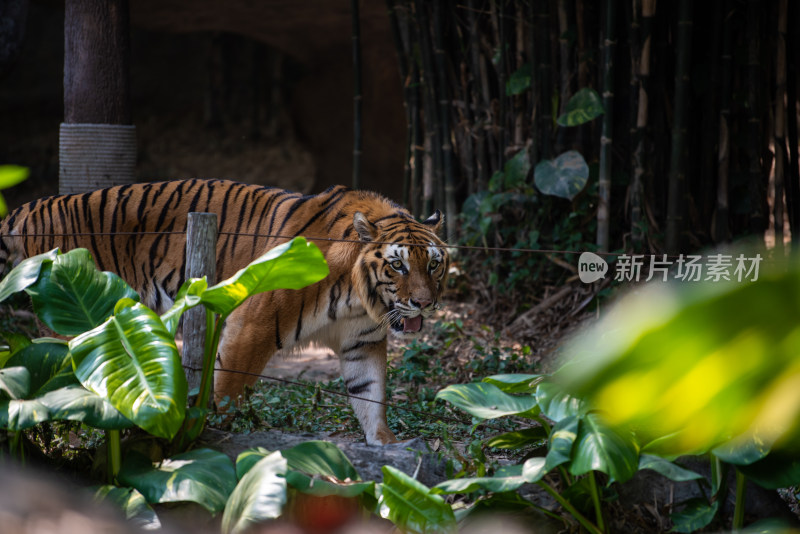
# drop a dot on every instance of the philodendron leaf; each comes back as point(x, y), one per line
point(71, 296)
point(293, 265)
point(556, 404)
point(780, 469)
point(76, 403)
point(15, 382)
point(584, 106)
point(188, 297)
point(696, 514)
point(203, 476)
point(315, 467)
point(562, 441)
point(132, 361)
point(411, 506)
point(564, 177)
point(519, 81)
point(514, 383)
point(667, 469)
point(506, 479)
point(599, 447)
point(49, 366)
point(518, 438)
point(132, 504)
point(260, 495)
point(25, 274)
point(486, 401)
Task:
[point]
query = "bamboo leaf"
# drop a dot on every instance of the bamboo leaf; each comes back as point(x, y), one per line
point(564, 177)
point(71, 296)
point(584, 106)
point(203, 476)
point(411, 506)
point(293, 265)
point(132, 361)
point(260, 495)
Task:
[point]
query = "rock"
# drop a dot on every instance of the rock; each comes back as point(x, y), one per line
point(413, 457)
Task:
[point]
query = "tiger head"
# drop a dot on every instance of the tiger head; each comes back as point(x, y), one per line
point(401, 270)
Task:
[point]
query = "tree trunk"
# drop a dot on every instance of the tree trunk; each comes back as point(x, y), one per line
point(13, 14)
point(604, 180)
point(444, 115)
point(678, 164)
point(97, 145)
point(793, 176)
point(544, 73)
point(757, 220)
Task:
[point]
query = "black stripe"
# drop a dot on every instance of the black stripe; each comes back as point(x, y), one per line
point(360, 388)
point(361, 344)
point(299, 321)
point(278, 343)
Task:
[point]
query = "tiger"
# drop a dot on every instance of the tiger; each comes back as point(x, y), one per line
point(387, 270)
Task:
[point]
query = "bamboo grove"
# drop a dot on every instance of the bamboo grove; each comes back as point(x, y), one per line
point(699, 133)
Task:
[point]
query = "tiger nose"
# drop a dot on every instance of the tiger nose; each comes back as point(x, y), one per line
point(421, 304)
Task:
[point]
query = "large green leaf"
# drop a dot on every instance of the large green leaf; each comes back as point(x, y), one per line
point(744, 450)
point(556, 404)
point(321, 468)
point(293, 265)
point(667, 469)
point(584, 106)
point(260, 495)
point(188, 297)
point(516, 169)
point(562, 441)
point(49, 365)
point(71, 296)
point(15, 382)
point(779, 469)
point(25, 274)
point(10, 175)
point(599, 447)
point(506, 479)
point(76, 403)
point(486, 401)
point(314, 467)
point(514, 383)
point(707, 362)
point(518, 438)
point(202, 476)
point(411, 506)
point(696, 514)
point(132, 361)
point(132, 504)
point(564, 177)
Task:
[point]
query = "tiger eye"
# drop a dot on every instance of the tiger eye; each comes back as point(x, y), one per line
point(397, 264)
point(433, 264)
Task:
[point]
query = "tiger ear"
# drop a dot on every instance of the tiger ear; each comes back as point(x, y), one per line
point(435, 221)
point(365, 229)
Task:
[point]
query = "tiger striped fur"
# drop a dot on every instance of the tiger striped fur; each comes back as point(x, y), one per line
point(386, 278)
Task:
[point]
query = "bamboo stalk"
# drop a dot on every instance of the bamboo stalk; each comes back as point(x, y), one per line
point(636, 99)
point(757, 220)
point(793, 174)
point(402, 56)
point(432, 190)
point(565, 67)
point(604, 180)
point(677, 172)
point(478, 99)
point(357, 97)
point(533, 96)
point(544, 72)
point(501, 129)
point(780, 122)
point(444, 124)
point(720, 229)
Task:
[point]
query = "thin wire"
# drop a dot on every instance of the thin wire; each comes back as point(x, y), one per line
point(336, 240)
point(427, 415)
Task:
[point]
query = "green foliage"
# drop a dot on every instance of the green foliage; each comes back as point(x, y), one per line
point(259, 495)
point(413, 506)
point(584, 106)
point(520, 80)
point(132, 504)
point(564, 177)
point(10, 175)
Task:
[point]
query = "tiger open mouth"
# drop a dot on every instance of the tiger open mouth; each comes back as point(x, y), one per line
point(407, 325)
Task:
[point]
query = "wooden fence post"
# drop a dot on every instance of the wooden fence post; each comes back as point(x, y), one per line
point(201, 260)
